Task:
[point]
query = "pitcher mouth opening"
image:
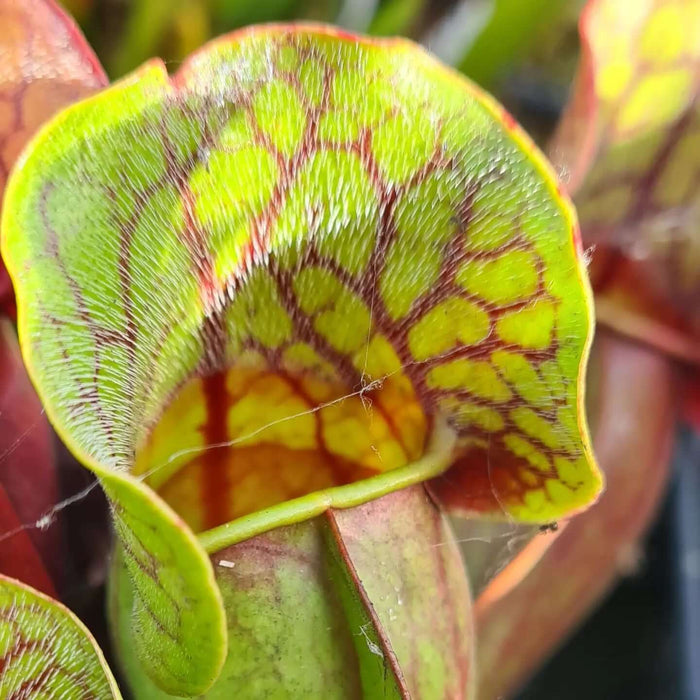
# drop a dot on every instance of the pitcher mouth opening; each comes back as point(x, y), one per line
point(238, 446)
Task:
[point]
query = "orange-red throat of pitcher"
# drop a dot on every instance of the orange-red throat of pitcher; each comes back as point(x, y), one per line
point(239, 441)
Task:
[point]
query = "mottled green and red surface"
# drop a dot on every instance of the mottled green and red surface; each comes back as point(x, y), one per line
point(244, 284)
point(629, 146)
point(418, 256)
point(46, 652)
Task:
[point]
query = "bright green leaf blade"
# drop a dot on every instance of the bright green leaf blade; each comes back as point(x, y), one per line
point(45, 651)
point(177, 613)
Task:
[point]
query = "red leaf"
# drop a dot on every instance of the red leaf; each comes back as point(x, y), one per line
point(28, 484)
point(690, 387)
point(19, 558)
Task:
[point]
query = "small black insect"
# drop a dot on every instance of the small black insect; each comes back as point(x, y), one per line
point(549, 527)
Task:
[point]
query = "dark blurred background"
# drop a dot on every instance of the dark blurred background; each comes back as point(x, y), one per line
point(643, 642)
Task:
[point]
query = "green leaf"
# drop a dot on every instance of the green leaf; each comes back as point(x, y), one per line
point(177, 613)
point(287, 632)
point(46, 652)
point(369, 602)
